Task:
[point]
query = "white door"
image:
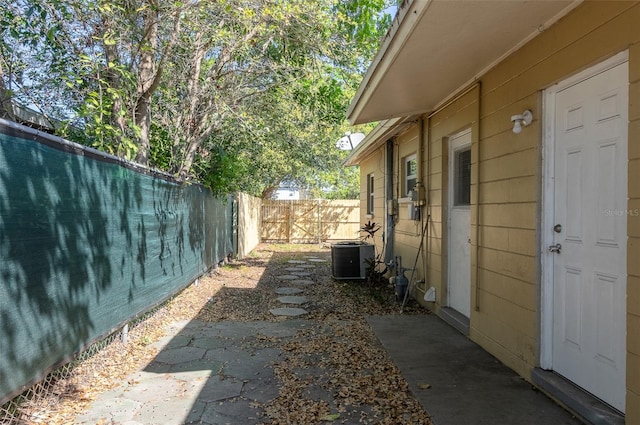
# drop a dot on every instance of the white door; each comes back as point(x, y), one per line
point(588, 232)
point(459, 287)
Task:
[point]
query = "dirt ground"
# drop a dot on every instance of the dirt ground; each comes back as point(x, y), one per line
point(358, 370)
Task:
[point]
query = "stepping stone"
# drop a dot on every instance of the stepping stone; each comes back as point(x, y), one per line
point(294, 269)
point(288, 291)
point(288, 277)
point(306, 266)
point(293, 299)
point(296, 261)
point(302, 282)
point(317, 260)
point(301, 273)
point(288, 311)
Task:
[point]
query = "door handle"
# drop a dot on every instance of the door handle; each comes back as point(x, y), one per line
point(555, 248)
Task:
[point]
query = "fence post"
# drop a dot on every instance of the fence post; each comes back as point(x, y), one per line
point(290, 226)
point(319, 221)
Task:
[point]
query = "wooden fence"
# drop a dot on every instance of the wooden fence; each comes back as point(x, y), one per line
point(310, 221)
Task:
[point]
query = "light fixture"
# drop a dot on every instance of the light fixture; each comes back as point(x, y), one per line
point(349, 141)
point(521, 120)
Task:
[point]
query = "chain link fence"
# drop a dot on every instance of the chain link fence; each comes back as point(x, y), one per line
point(27, 407)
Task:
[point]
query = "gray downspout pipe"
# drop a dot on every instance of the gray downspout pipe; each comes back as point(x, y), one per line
point(388, 249)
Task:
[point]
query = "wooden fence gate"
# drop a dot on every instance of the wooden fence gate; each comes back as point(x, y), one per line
point(310, 221)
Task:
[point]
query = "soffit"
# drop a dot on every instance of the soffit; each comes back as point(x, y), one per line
point(436, 47)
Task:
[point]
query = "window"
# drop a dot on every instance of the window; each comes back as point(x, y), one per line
point(370, 194)
point(462, 178)
point(410, 173)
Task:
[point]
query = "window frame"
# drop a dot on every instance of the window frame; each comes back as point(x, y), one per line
point(409, 177)
point(370, 192)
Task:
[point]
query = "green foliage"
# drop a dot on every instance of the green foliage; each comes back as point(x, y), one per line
point(237, 94)
point(219, 171)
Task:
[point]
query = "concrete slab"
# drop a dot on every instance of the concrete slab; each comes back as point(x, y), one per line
point(288, 277)
point(261, 390)
point(200, 364)
point(179, 355)
point(301, 274)
point(216, 390)
point(170, 411)
point(110, 410)
point(317, 260)
point(243, 363)
point(288, 291)
point(226, 331)
point(290, 299)
point(285, 329)
point(237, 411)
point(288, 311)
point(467, 384)
point(303, 282)
point(296, 262)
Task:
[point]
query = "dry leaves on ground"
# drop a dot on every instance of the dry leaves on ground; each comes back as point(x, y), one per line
point(340, 356)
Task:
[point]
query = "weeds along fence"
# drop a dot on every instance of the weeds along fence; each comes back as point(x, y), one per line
point(89, 242)
point(310, 221)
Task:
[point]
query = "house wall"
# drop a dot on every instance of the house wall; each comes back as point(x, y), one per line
point(375, 164)
point(407, 231)
point(510, 177)
point(506, 185)
point(633, 245)
point(459, 115)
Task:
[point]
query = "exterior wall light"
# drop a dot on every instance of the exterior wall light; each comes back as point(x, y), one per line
point(520, 121)
point(349, 141)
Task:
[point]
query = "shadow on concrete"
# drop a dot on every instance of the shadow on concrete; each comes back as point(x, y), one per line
point(211, 372)
point(466, 384)
point(221, 371)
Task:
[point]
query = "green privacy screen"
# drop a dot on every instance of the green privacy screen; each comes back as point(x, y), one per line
point(87, 242)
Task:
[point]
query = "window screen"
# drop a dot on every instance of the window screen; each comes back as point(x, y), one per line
point(462, 178)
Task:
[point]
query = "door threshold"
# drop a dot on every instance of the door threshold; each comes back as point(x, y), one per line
point(455, 319)
point(589, 408)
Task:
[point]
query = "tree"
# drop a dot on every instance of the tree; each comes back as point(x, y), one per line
point(240, 94)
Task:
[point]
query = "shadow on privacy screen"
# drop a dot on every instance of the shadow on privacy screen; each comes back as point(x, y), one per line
point(86, 242)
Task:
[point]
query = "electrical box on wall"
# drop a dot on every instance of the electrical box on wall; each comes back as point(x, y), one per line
point(417, 194)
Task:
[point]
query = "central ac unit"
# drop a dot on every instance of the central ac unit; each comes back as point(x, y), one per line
point(349, 259)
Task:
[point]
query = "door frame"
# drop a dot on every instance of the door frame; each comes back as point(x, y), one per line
point(547, 200)
point(450, 179)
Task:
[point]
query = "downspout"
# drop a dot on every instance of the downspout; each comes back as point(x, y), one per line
point(419, 157)
point(422, 198)
point(477, 269)
point(389, 207)
point(426, 145)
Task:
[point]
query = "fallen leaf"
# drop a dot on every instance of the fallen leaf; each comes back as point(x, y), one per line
point(329, 418)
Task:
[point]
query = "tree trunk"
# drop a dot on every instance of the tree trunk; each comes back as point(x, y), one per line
point(268, 192)
point(189, 156)
point(6, 102)
point(148, 78)
point(113, 79)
